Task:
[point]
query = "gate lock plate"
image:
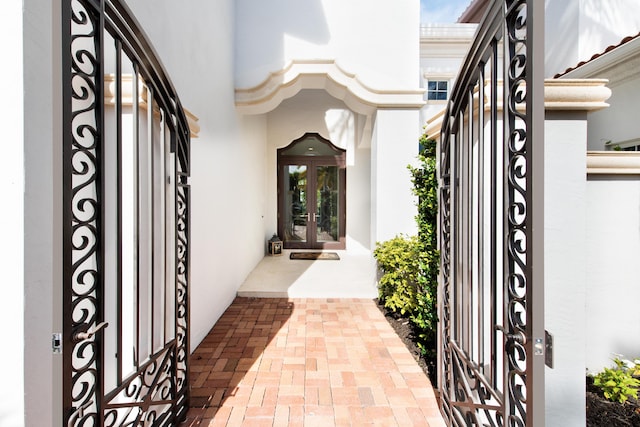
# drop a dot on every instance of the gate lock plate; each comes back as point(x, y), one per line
point(56, 343)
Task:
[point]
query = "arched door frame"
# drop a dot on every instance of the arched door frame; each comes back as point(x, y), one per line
point(336, 157)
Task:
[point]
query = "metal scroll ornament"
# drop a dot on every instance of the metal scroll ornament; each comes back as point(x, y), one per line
point(515, 25)
point(85, 239)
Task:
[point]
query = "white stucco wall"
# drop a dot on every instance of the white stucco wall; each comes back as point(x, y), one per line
point(394, 146)
point(562, 22)
point(195, 42)
point(39, 92)
point(613, 238)
point(585, 28)
point(12, 173)
point(376, 39)
point(565, 273)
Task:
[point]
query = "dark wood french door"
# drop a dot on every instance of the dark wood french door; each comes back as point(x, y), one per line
point(311, 194)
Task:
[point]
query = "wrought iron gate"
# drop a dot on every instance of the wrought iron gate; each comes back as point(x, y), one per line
point(126, 225)
point(491, 168)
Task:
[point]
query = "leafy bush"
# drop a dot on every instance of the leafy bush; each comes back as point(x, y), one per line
point(424, 321)
point(633, 367)
point(618, 383)
point(398, 260)
point(425, 187)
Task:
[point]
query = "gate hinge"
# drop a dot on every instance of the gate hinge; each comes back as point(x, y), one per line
point(56, 343)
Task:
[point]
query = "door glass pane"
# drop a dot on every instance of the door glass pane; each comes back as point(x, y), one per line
point(295, 203)
point(327, 190)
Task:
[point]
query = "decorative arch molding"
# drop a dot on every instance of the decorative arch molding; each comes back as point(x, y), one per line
point(312, 137)
point(327, 75)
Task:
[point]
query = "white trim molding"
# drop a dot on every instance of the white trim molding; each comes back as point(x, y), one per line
point(576, 94)
point(327, 75)
point(613, 163)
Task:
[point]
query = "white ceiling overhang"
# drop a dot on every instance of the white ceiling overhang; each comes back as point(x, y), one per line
point(327, 75)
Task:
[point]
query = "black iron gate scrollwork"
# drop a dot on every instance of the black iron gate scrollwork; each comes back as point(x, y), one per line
point(126, 225)
point(491, 337)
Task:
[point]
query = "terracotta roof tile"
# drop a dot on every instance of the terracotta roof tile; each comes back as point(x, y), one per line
point(597, 55)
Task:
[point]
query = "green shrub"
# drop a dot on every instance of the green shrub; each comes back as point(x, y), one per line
point(618, 383)
point(425, 187)
point(424, 320)
point(398, 260)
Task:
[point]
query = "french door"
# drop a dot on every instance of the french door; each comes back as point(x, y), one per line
point(311, 193)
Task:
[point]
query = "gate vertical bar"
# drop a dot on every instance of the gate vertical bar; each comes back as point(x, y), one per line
point(151, 201)
point(119, 187)
point(67, 384)
point(100, 222)
point(493, 266)
point(535, 226)
point(136, 216)
point(481, 209)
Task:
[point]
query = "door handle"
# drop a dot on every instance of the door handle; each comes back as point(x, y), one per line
point(84, 333)
point(79, 413)
point(518, 337)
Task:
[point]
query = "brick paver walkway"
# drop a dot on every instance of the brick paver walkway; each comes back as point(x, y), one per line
point(307, 362)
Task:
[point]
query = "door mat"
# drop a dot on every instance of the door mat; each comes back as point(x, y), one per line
point(314, 255)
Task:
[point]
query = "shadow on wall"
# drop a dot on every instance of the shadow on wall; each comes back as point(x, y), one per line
point(260, 32)
point(612, 23)
point(563, 19)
